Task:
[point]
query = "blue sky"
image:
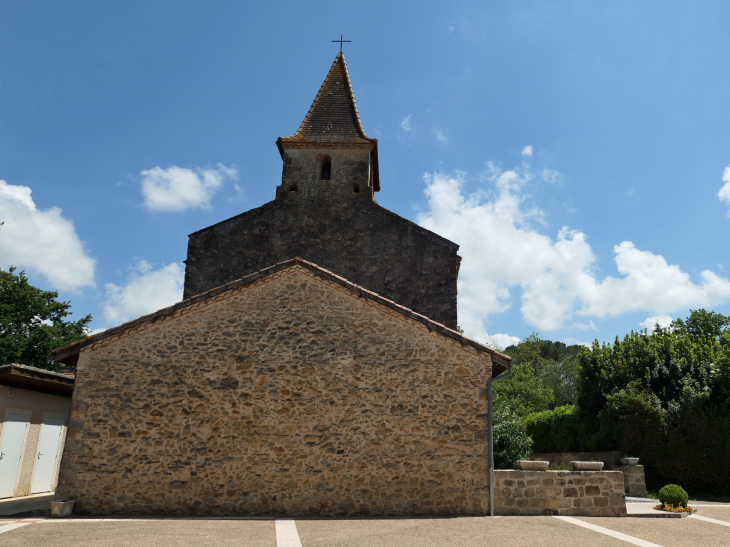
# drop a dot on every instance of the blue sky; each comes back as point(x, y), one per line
point(575, 150)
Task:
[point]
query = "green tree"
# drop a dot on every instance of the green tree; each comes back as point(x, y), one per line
point(33, 322)
point(664, 397)
point(522, 393)
point(545, 375)
point(706, 323)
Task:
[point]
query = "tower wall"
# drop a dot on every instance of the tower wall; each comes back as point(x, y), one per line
point(346, 233)
point(351, 170)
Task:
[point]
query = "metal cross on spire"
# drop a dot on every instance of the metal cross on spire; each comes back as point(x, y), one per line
point(341, 42)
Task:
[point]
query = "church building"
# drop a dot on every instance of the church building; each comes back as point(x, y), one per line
point(313, 366)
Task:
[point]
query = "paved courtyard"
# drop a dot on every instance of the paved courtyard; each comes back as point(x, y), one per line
point(710, 526)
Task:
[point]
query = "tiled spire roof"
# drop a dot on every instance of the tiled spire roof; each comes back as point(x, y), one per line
point(333, 116)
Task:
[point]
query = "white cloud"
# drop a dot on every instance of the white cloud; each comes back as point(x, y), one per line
point(405, 123)
point(585, 326)
point(178, 189)
point(550, 176)
point(146, 291)
point(663, 320)
point(503, 249)
point(527, 151)
point(724, 193)
point(42, 241)
point(240, 193)
point(440, 136)
point(502, 341)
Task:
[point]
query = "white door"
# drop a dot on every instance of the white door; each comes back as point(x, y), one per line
point(11, 451)
point(45, 461)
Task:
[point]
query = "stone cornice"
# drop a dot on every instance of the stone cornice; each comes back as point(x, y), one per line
point(284, 144)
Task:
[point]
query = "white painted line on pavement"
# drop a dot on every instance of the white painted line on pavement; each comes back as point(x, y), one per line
point(709, 504)
point(613, 533)
point(708, 519)
point(15, 526)
point(286, 533)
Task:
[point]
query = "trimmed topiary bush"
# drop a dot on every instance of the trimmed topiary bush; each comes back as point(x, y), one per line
point(674, 495)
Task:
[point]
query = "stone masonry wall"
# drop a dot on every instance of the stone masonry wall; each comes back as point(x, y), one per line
point(289, 396)
point(577, 493)
point(325, 222)
point(634, 481)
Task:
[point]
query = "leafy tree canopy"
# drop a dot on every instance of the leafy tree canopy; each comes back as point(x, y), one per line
point(706, 323)
point(544, 376)
point(33, 322)
point(663, 396)
point(685, 364)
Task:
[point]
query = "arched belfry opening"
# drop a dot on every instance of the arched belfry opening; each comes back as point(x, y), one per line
point(326, 169)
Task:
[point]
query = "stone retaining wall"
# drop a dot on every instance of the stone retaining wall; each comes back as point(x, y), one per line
point(577, 493)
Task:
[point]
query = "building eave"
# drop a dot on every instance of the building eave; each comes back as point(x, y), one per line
point(37, 379)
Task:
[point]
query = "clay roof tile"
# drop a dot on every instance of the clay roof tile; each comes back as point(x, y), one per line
point(333, 116)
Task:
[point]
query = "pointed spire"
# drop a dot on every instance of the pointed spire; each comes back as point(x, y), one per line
point(333, 116)
point(333, 120)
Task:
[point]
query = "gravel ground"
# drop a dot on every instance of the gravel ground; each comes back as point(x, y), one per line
point(719, 513)
point(447, 532)
point(669, 532)
point(457, 532)
point(177, 533)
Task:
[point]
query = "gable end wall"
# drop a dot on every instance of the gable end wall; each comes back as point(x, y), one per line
point(289, 396)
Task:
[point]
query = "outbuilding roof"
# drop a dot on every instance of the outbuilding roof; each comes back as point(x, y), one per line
point(70, 354)
point(37, 379)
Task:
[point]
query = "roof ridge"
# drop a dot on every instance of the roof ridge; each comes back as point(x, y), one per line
point(348, 83)
point(63, 352)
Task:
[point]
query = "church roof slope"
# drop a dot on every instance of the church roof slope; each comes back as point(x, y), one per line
point(333, 116)
point(69, 354)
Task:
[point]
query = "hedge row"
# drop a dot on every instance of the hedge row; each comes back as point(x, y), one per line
point(690, 446)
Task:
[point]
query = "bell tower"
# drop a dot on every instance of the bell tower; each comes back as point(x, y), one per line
point(325, 212)
point(330, 155)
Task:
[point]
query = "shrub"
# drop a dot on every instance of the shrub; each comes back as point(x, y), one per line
point(511, 441)
point(558, 430)
point(674, 495)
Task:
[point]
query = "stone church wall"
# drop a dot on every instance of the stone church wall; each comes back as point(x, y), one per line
point(290, 396)
point(350, 235)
